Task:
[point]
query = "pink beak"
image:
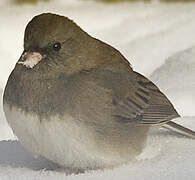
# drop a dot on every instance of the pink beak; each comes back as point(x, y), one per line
point(30, 59)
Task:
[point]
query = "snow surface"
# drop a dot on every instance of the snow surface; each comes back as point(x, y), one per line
point(158, 39)
point(176, 79)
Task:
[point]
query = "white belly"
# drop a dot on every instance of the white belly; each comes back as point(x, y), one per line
point(59, 140)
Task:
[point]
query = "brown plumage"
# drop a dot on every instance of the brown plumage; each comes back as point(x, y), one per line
point(90, 88)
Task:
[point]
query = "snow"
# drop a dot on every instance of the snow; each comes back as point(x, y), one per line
point(176, 79)
point(158, 40)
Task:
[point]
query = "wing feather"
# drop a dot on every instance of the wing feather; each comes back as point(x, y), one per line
point(145, 104)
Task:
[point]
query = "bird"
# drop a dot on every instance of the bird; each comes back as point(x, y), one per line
point(77, 101)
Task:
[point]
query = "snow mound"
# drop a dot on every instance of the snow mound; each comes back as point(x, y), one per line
point(176, 78)
point(15, 155)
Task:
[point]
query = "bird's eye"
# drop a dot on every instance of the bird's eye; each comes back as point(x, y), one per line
point(57, 46)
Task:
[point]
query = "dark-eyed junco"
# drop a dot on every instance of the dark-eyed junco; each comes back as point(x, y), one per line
point(76, 100)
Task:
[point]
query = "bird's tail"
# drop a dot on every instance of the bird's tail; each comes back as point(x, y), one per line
point(179, 129)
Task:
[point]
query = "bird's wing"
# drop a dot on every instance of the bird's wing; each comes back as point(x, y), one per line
point(144, 103)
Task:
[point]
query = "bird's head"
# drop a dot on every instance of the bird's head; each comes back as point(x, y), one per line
point(54, 43)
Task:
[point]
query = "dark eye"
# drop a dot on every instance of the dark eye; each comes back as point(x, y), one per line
point(57, 46)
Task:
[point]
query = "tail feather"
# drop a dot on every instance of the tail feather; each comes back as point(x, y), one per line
point(180, 129)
